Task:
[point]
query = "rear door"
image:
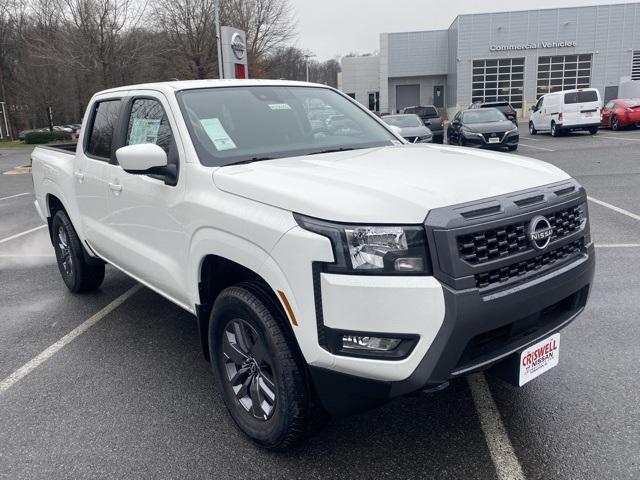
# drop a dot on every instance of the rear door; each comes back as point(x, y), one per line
point(149, 238)
point(89, 170)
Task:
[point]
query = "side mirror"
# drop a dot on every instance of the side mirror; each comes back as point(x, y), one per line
point(145, 158)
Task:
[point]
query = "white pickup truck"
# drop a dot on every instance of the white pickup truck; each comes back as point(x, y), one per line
point(330, 265)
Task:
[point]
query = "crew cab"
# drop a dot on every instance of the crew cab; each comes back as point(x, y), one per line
point(330, 266)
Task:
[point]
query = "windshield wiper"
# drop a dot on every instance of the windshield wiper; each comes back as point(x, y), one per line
point(333, 150)
point(249, 160)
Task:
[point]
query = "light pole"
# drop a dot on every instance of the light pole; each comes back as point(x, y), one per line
point(307, 56)
point(218, 39)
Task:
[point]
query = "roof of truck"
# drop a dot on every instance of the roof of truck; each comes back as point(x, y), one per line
point(192, 84)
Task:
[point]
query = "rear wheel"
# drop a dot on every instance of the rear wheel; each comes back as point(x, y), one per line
point(593, 130)
point(532, 129)
point(615, 123)
point(79, 276)
point(555, 131)
point(263, 378)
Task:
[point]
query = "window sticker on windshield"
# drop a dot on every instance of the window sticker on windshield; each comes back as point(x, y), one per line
point(217, 134)
point(144, 130)
point(279, 106)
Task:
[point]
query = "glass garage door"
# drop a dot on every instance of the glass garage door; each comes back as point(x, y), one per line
point(563, 72)
point(498, 80)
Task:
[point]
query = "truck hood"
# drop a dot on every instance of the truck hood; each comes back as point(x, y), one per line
point(395, 184)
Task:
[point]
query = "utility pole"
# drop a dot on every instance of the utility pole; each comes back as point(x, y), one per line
point(307, 56)
point(218, 39)
point(6, 122)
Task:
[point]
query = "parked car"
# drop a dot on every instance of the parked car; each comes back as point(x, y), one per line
point(621, 113)
point(504, 107)
point(22, 134)
point(487, 127)
point(410, 127)
point(566, 110)
point(60, 128)
point(431, 118)
point(327, 270)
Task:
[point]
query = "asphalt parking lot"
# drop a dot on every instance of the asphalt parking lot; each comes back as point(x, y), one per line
point(131, 397)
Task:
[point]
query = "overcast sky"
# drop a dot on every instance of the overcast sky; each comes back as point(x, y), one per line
point(331, 28)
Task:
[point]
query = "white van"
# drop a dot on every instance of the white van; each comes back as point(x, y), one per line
point(567, 110)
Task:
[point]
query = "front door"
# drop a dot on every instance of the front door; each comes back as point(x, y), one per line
point(145, 220)
point(537, 116)
point(438, 96)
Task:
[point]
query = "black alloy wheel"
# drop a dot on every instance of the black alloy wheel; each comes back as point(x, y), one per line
point(249, 369)
point(615, 123)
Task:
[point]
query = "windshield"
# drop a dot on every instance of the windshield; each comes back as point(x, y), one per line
point(403, 121)
point(247, 123)
point(633, 102)
point(429, 112)
point(483, 116)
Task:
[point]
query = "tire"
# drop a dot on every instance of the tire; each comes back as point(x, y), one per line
point(593, 130)
point(78, 275)
point(460, 141)
point(555, 132)
point(512, 148)
point(252, 350)
point(532, 129)
point(615, 123)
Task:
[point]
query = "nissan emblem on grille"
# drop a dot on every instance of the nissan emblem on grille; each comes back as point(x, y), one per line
point(540, 232)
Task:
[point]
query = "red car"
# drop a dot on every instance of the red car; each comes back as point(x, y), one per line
point(620, 113)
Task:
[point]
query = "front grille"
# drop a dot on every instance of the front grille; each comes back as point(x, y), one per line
point(481, 247)
point(519, 269)
point(487, 136)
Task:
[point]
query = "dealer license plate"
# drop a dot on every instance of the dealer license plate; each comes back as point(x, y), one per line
point(539, 358)
point(494, 140)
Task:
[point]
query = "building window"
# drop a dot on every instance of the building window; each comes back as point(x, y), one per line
point(374, 101)
point(498, 80)
point(635, 66)
point(563, 72)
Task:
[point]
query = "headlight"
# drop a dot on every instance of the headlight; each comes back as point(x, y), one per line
point(514, 129)
point(373, 249)
point(466, 131)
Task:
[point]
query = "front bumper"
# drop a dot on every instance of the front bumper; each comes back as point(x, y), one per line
point(482, 325)
point(481, 141)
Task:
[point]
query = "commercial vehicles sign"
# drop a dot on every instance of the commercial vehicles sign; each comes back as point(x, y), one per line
point(531, 46)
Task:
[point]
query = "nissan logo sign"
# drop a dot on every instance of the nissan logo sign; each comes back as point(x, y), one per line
point(237, 46)
point(540, 232)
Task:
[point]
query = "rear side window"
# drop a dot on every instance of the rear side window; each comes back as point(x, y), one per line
point(105, 117)
point(581, 97)
point(148, 124)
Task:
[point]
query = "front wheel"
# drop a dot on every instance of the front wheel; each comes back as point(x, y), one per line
point(264, 380)
point(78, 275)
point(532, 129)
point(512, 148)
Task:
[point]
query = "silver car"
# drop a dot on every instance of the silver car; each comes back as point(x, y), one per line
point(411, 127)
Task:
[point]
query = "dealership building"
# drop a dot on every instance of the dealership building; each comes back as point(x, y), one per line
point(512, 56)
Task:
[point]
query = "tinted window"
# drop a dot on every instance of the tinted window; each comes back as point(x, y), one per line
point(581, 97)
point(148, 124)
point(101, 134)
point(483, 116)
point(233, 124)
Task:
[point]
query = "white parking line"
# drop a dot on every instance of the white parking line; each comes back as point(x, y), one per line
point(34, 363)
point(18, 235)
point(614, 208)
point(14, 196)
point(537, 148)
point(620, 137)
point(618, 245)
point(504, 457)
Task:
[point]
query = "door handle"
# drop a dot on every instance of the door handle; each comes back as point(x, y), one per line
point(79, 176)
point(116, 187)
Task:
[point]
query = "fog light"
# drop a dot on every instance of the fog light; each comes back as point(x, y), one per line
point(376, 344)
point(409, 264)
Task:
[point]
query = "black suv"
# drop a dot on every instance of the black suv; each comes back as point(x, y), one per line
point(431, 118)
point(504, 107)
